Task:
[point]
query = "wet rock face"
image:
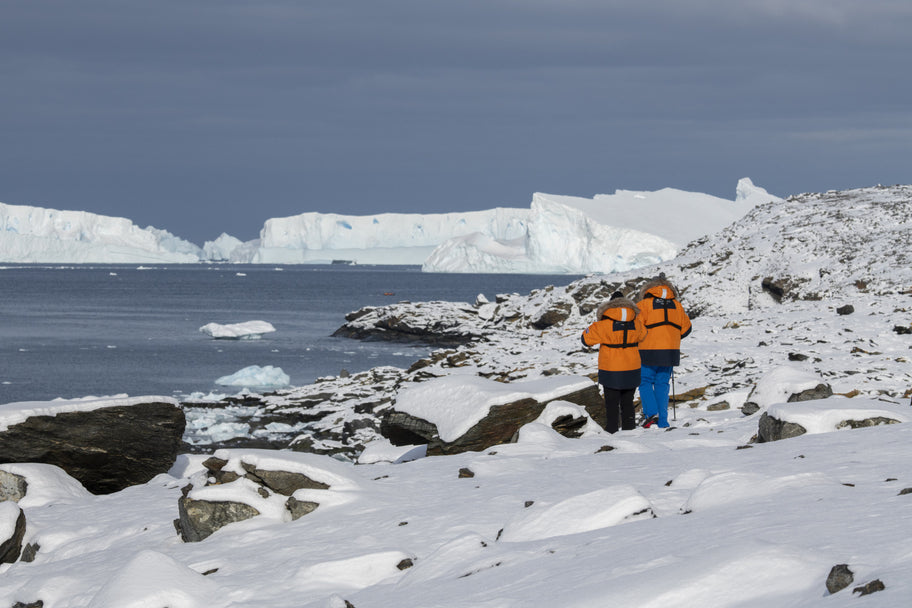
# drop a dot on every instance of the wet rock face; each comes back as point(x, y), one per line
point(107, 449)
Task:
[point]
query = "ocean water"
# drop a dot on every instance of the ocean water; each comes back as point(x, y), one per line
point(101, 330)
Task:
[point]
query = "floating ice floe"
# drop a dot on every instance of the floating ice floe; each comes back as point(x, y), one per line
point(250, 330)
point(256, 376)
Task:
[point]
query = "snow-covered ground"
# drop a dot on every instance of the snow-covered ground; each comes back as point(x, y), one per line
point(557, 234)
point(696, 515)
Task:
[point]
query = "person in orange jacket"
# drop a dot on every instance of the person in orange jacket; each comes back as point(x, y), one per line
point(660, 352)
point(618, 332)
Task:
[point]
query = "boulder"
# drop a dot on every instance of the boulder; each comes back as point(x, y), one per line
point(106, 449)
point(839, 578)
point(500, 425)
point(773, 429)
point(821, 391)
point(12, 520)
point(12, 487)
point(198, 519)
point(555, 314)
point(200, 513)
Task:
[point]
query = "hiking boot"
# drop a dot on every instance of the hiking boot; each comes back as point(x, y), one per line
point(650, 421)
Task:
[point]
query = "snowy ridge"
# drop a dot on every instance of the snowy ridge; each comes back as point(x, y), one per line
point(36, 235)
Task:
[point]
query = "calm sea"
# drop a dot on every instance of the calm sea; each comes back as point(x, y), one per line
point(103, 330)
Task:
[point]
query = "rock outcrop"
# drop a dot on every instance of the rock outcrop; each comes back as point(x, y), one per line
point(106, 449)
point(500, 425)
point(240, 492)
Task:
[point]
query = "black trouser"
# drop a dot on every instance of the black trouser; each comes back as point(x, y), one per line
point(619, 408)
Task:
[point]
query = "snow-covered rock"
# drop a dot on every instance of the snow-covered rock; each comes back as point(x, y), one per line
point(35, 234)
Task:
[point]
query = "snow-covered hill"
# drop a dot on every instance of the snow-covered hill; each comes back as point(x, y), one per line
point(815, 289)
point(557, 234)
point(37, 235)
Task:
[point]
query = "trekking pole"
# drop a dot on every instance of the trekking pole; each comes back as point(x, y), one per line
point(674, 398)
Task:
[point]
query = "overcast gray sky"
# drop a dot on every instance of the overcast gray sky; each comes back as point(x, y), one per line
point(204, 116)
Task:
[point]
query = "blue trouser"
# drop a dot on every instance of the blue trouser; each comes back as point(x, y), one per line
point(654, 392)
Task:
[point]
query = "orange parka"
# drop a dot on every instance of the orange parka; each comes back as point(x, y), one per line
point(619, 331)
point(666, 321)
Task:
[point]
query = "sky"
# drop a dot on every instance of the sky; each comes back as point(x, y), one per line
point(203, 116)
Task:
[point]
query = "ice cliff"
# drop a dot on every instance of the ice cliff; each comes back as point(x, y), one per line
point(38, 235)
point(556, 234)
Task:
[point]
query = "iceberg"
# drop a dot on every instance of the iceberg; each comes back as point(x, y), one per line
point(249, 330)
point(38, 235)
point(254, 376)
point(387, 238)
point(607, 233)
point(556, 234)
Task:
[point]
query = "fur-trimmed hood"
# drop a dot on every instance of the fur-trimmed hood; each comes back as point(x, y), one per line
point(659, 287)
point(605, 309)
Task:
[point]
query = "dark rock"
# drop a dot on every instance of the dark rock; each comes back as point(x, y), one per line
point(750, 408)
point(107, 449)
point(845, 310)
point(569, 426)
point(773, 429)
point(300, 508)
point(11, 548)
point(499, 426)
point(797, 357)
point(198, 519)
point(465, 473)
point(35, 604)
point(821, 391)
point(903, 329)
point(839, 578)
point(872, 587)
point(405, 564)
point(905, 491)
point(718, 407)
point(12, 487)
point(30, 552)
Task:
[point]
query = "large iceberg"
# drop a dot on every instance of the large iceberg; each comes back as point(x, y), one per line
point(38, 235)
point(387, 238)
point(607, 233)
point(556, 234)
